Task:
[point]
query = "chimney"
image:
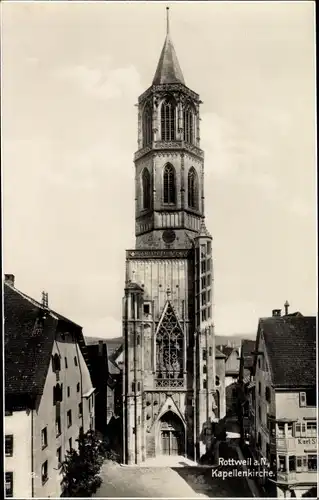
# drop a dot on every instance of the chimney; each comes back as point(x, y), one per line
point(276, 313)
point(286, 306)
point(45, 299)
point(101, 347)
point(9, 279)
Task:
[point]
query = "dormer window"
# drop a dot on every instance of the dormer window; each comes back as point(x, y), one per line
point(168, 117)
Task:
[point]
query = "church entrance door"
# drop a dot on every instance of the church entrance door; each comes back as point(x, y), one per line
point(171, 435)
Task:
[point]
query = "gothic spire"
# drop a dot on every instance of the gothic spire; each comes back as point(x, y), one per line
point(168, 68)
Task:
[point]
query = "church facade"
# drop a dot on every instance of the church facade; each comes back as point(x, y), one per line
point(169, 394)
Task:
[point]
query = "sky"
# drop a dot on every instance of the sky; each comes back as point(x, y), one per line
point(71, 76)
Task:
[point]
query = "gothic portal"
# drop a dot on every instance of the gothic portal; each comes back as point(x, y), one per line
point(169, 347)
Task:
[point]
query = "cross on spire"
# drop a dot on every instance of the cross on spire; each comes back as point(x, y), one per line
point(167, 20)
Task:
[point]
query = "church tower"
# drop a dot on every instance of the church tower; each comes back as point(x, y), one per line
point(169, 346)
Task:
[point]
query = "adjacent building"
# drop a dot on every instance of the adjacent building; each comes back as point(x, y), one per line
point(232, 360)
point(169, 342)
point(49, 396)
point(285, 426)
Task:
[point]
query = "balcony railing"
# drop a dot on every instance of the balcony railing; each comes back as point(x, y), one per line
point(283, 443)
point(286, 477)
point(172, 383)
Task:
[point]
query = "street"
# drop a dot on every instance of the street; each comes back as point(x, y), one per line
point(167, 482)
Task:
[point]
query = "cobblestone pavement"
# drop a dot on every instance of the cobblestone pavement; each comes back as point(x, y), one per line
point(167, 482)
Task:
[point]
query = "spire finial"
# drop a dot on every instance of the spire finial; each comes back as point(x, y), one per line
point(167, 20)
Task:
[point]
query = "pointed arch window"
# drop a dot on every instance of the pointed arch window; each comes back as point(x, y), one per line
point(147, 125)
point(168, 120)
point(169, 184)
point(188, 119)
point(169, 351)
point(192, 188)
point(146, 189)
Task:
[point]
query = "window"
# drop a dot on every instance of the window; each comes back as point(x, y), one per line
point(292, 463)
point(209, 247)
point(188, 119)
point(9, 445)
point(146, 309)
point(56, 364)
point(169, 187)
point(204, 384)
point(203, 266)
point(312, 429)
point(44, 472)
point(217, 381)
point(58, 426)
point(59, 456)
point(210, 351)
point(70, 444)
point(78, 387)
point(204, 368)
point(282, 463)
point(209, 312)
point(69, 418)
point(259, 388)
point(209, 264)
point(280, 429)
point(80, 410)
point(146, 189)
point(204, 355)
point(204, 315)
point(66, 362)
point(203, 281)
point(299, 463)
point(169, 351)
point(312, 462)
point(267, 394)
point(208, 296)
point(203, 298)
point(69, 391)
point(259, 412)
point(133, 386)
point(297, 429)
point(192, 188)
point(259, 442)
point(9, 484)
point(289, 429)
point(308, 398)
point(137, 339)
point(138, 386)
point(168, 109)
point(57, 393)
point(44, 438)
point(147, 125)
point(75, 361)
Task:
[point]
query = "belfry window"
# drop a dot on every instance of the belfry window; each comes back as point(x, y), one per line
point(147, 125)
point(169, 351)
point(169, 187)
point(192, 188)
point(146, 188)
point(168, 117)
point(188, 118)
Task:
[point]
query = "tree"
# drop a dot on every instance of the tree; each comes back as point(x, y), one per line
point(81, 468)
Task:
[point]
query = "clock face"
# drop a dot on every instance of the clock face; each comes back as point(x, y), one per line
point(169, 236)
